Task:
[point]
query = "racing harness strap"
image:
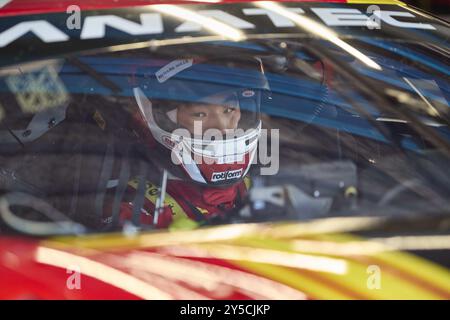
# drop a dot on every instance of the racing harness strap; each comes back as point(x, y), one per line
point(181, 220)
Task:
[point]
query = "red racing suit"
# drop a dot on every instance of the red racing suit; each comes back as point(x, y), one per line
point(186, 204)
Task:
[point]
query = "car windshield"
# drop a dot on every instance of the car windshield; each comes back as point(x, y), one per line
point(351, 127)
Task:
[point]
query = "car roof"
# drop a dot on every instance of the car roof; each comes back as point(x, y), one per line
point(27, 7)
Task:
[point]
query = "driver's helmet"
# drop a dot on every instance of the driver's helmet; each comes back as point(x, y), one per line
point(205, 112)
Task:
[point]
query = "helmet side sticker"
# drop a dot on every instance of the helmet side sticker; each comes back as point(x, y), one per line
point(171, 69)
point(168, 141)
point(248, 93)
point(226, 175)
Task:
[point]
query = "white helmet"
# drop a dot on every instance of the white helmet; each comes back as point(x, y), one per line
point(206, 113)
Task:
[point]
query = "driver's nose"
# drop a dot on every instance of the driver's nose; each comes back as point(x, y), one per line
point(218, 120)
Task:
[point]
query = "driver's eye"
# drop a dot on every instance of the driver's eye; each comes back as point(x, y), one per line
point(229, 110)
point(198, 114)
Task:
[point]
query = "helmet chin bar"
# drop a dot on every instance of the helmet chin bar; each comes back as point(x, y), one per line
point(187, 150)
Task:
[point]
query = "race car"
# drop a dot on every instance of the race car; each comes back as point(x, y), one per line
point(223, 150)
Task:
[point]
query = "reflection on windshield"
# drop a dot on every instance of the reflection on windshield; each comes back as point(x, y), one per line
point(222, 132)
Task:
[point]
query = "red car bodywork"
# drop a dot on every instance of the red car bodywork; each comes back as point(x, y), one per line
point(287, 261)
point(25, 276)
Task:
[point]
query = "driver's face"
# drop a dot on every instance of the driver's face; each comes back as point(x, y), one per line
point(223, 116)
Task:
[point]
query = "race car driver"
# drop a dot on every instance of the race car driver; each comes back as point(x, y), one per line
point(199, 121)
